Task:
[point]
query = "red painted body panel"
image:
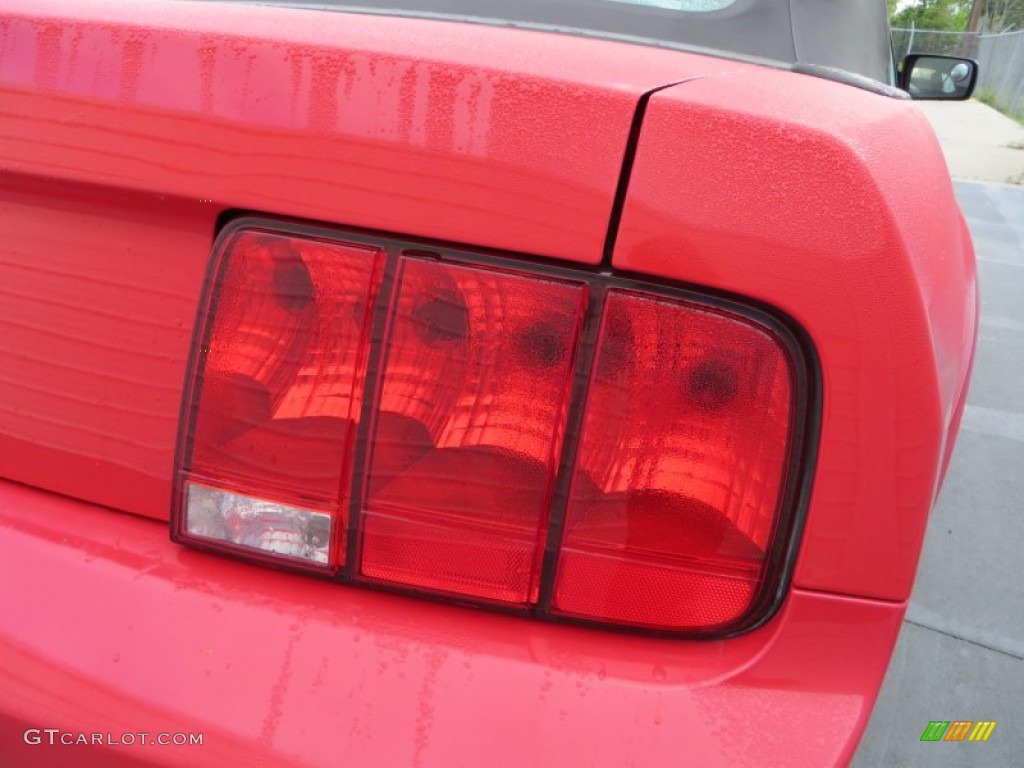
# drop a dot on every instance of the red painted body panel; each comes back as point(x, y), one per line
point(835, 206)
point(472, 134)
point(98, 293)
point(276, 669)
point(147, 126)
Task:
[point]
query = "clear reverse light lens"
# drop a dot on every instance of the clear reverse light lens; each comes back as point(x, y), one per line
point(259, 524)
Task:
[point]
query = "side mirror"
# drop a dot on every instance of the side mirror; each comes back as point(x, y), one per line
point(949, 78)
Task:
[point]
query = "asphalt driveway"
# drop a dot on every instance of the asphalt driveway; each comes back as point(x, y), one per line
point(960, 654)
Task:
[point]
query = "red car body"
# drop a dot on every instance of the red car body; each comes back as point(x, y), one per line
point(829, 204)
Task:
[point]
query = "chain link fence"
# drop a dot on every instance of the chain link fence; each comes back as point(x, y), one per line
point(1000, 59)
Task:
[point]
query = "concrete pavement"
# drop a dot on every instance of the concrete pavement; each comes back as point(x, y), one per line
point(980, 143)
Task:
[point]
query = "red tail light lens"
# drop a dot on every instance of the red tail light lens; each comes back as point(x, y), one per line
point(680, 468)
point(566, 444)
point(483, 359)
point(277, 392)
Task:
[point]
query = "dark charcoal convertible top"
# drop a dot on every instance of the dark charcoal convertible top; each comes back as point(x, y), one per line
point(852, 35)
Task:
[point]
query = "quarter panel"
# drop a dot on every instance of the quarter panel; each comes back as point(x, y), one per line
point(835, 206)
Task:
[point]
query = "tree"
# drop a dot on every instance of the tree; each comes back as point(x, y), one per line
point(949, 15)
point(998, 15)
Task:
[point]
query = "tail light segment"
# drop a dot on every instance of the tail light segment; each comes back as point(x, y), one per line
point(482, 359)
point(562, 443)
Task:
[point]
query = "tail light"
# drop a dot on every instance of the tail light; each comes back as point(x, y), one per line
point(560, 443)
